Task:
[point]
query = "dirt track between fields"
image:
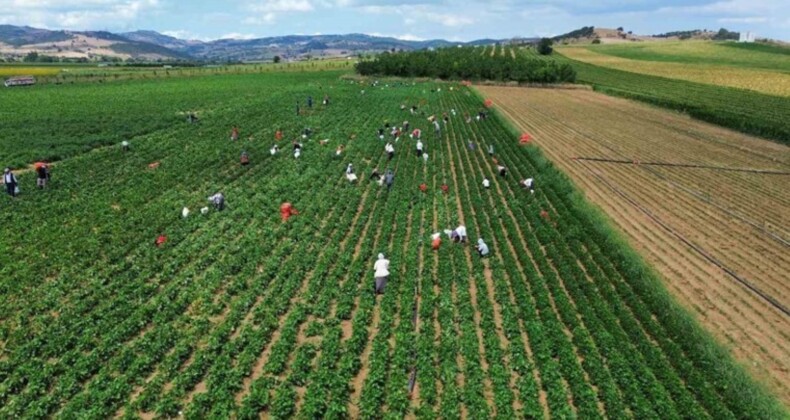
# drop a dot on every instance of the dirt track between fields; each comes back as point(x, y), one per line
point(740, 220)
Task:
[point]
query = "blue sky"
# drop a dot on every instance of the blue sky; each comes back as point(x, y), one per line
point(456, 20)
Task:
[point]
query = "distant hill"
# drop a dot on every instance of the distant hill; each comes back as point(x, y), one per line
point(291, 46)
point(20, 41)
point(17, 42)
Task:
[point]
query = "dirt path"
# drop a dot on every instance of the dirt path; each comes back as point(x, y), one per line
point(735, 217)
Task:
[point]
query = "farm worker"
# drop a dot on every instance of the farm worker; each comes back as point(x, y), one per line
point(11, 183)
point(471, 145)
point(286, 211)
point(445, 118)
point(191, 118)
point(419, 148)
point(490, 150)
point(457, 235)
point(416, 133)
point(425, 157)
point(218, 200)
point(529, 184)
point(234, 133)
point(297, 145)
point(390, 149)
point(351, 177)
point(413, 109)
point(423, 187)
point(502, 170)
point(461, 233)
point(245, 158)
point(274, 150)
point(339, 150)
point(125, 146)
point(545, 215)
point(160, 240)
point(297, 153)
point(350, 169)
point(389, 177)
point(486, 183)
point(445, 188)
point(482, 248)
point(452, 111)
point(42, 174)
point(278, 135)
point(382, 273)
point(437, 129)
point(309, 101)
point(467, 117)
point(306, 132)
point(381, 134)
point(326, 99)
point(375, 174)
point(405, 126)
point(436, 241)
point(185, 212)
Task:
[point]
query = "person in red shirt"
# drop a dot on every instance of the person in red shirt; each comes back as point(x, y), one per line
point(423, 187)
point(278, 135)
point(234, 134)
point(445, 188)
point(286, 211)
point(160, 240)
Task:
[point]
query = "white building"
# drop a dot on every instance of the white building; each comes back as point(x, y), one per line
point(747, 37)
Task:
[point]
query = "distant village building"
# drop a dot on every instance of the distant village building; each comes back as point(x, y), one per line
point(746, 37)
point(20, 81)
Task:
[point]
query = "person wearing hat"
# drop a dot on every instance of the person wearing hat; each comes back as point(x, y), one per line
point(10, 181)
point(245, 158)
point(42, 175)
point(218, 200)
point(381, 268)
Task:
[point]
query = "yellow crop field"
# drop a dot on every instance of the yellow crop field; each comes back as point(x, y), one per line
point(765, 81)
point(10, 71)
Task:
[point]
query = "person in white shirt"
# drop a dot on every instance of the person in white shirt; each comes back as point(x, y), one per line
point(486, 183)
point(529, 184)
point(502, 170)
point(482, 248)
point(382, 273)
point(274, 150)
point(10, 181)
point(125, 146)
point(419, 148)
point(390, 149)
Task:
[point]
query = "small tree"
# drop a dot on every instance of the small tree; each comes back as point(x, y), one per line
point(596, 41)
point(544, 47)
point(276, 59)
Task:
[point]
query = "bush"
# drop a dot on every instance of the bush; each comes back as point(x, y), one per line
point(544, 47)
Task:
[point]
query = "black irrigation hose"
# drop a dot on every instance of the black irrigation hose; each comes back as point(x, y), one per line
point(695, 247)
point(685, 165)
point(755, 225)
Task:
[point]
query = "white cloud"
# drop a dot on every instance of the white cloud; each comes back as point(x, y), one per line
point(236, 35)
point(272, 6)
point(403, 37)
point(76, 14)
point(747, 20)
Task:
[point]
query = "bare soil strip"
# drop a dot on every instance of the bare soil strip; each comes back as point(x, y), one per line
point(735, 217)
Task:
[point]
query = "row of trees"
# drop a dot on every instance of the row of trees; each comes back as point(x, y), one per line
point(468, 63)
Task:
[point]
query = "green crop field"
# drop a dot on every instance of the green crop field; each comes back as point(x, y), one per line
point(748, 111)
point(240, 314)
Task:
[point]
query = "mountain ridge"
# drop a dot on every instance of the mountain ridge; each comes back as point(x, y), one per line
point(16, 42)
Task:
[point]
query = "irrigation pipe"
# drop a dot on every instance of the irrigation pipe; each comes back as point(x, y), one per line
point(773, 302)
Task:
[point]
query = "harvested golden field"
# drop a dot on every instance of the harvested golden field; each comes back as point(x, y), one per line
point(707, 207)
point(759, 80)
point(9, 71)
